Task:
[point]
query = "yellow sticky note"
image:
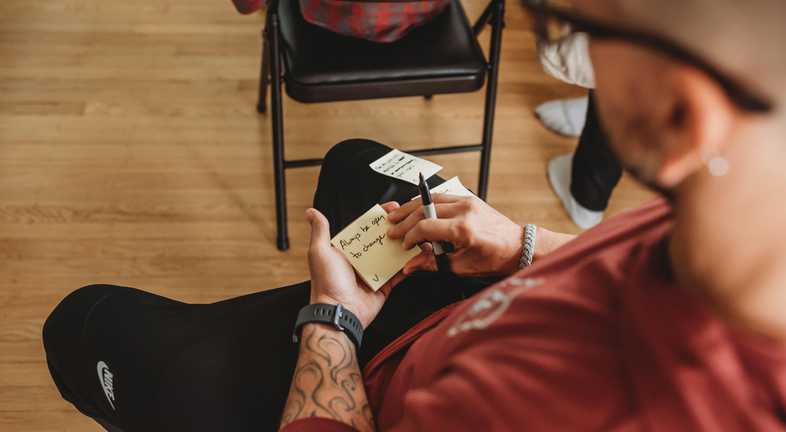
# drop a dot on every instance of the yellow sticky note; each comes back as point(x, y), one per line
point(365, 243)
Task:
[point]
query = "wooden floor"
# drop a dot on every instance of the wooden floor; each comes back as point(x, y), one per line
point(131, 153)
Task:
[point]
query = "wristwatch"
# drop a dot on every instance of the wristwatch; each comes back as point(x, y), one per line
point(335, 315)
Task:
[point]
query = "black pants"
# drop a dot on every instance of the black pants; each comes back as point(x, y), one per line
point(596, 170)
point(224, 366)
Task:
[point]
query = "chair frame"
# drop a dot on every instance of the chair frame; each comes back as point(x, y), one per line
point(493, 15)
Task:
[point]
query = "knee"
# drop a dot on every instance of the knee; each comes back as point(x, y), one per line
point(65, 324)
point(344, 153)
point(66, 356)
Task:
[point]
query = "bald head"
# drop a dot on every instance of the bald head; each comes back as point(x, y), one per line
point(666, 118)
point(672, 122)
point(746, 39)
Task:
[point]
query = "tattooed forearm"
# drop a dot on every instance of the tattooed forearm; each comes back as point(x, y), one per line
point(327, 381)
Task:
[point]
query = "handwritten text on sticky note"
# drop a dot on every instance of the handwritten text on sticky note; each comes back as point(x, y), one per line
point(403, 166)
point(375, 257)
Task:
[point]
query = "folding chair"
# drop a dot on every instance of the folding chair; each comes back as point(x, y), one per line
point(317, 65)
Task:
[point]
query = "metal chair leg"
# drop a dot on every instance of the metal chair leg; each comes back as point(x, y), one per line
point(483, 19)
point(491, 96)
point(282, 237)
point(264, 74)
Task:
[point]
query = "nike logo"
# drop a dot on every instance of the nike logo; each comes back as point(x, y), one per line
point(106, 379)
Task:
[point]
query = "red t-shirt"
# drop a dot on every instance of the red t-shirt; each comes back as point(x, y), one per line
point(595, 336)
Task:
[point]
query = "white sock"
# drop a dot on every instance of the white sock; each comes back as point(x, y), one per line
point(559, 171)
point(564, 116)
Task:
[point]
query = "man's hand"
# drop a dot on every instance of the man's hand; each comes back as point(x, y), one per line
point(486, 242)
point(327, 382)
point(334, 281)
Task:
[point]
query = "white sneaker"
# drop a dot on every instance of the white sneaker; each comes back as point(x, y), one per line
point(559, 172)
point(564, 116)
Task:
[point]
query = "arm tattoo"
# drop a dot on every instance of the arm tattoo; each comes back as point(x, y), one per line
point(327, 381)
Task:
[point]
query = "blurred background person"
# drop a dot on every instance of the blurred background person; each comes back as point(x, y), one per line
point(584, 180)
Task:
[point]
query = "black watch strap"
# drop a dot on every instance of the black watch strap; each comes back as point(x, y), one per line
point(335, 315)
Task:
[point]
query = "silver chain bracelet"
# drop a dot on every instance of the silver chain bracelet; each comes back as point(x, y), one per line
point(528, 245)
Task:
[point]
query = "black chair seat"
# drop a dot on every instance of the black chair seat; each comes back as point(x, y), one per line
point(442, 56)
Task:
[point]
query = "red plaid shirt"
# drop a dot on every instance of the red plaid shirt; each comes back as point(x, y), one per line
point(378, 21)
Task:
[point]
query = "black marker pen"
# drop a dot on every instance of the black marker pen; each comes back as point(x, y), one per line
point(430, 212)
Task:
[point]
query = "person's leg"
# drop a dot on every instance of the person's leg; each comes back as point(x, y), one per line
point(348, 187)
point(136, 361)
point(85, 353)
point(596, 171)
point(71, 359)
point(584, 180)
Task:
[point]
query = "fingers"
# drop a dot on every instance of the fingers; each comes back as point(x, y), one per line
point(405, 225)
point(424, 261)
point(432, 230)
point(403, 211)
point(388, 287)
point(444, 211)
point(390, 206)
point(320, 228)
point(426, 248)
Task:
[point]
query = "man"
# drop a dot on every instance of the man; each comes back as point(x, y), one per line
point(669, 317)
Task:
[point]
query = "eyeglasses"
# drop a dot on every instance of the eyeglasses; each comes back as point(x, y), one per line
point(553, 23)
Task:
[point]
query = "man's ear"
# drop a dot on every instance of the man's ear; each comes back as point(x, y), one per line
point(700, 119)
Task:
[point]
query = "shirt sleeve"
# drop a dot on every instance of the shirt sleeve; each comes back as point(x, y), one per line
point(317, 424)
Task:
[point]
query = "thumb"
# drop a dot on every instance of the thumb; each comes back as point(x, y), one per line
point(320, 228)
